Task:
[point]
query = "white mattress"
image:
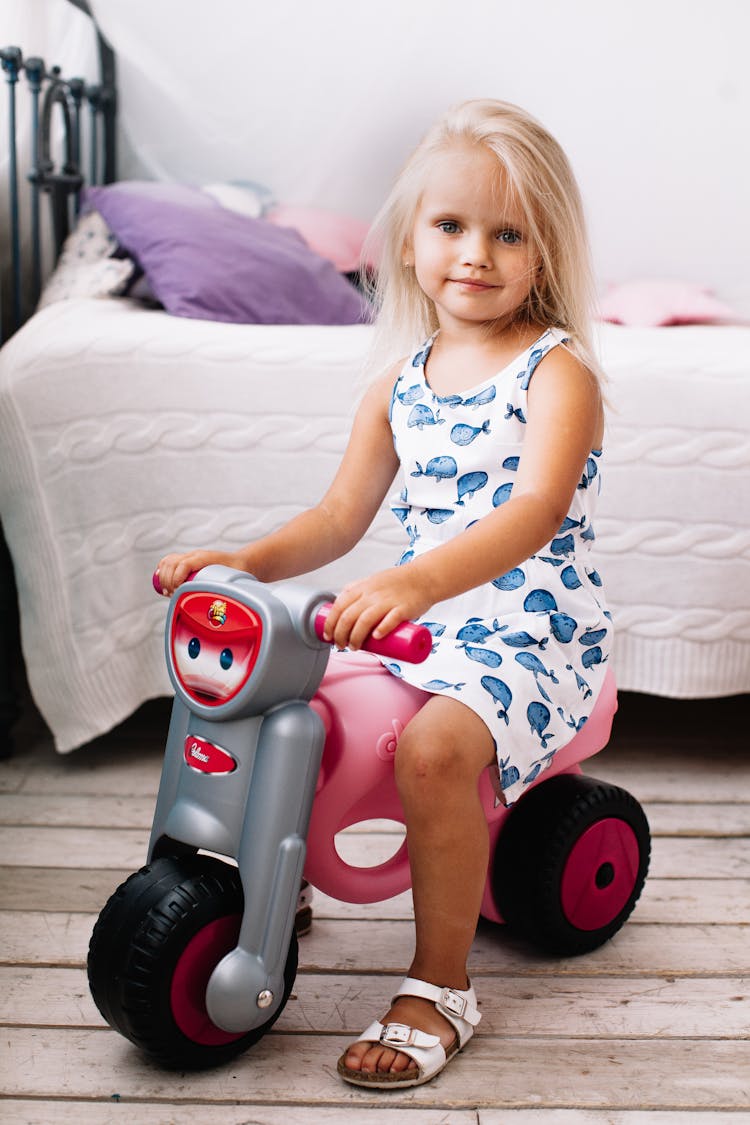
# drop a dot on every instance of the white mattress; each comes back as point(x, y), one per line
point(125, 433)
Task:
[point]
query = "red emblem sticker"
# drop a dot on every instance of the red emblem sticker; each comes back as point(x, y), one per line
point(207, 757)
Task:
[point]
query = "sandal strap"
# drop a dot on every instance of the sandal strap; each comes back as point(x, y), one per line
point(457, 1006)
point(426, 1050)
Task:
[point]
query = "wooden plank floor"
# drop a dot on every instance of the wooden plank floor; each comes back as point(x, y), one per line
point(652, 1029)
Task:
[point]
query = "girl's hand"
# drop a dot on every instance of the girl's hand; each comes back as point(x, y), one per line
point(374, 606)
point(173, 570)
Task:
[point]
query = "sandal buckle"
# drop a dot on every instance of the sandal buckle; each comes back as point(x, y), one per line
point(452, 1002)
point(397, 1035)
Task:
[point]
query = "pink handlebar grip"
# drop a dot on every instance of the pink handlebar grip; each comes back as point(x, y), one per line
point(157, 584)
point(409, 642)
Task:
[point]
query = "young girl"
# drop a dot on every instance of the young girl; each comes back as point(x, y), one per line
point(496, 422)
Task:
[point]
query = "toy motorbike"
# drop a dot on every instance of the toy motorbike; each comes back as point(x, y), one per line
point(272, 751)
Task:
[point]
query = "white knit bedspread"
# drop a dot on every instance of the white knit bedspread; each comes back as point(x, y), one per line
point(126, 433)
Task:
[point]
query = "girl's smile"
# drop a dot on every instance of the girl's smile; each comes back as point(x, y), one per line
point(469, 245)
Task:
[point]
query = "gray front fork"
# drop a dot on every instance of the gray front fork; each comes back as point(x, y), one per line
point(258, 815)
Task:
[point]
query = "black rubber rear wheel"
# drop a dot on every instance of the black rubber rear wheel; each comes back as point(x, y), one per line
point(571, 862)
point(151, 954)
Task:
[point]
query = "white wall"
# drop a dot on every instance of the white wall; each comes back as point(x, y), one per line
point(322, 101)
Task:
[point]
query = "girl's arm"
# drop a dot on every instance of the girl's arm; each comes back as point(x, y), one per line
point(330, 529)
point(564, 424)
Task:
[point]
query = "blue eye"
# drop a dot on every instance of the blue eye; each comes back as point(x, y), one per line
point(510, 237)
point(448, 226)
point(226, 658)
point(194, 647)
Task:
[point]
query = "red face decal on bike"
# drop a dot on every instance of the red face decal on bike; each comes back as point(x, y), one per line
point(215, 644)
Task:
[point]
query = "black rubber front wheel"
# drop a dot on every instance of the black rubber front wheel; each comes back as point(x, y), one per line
point(152, 952)
point(570, 863)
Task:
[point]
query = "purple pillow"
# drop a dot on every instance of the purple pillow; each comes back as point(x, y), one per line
point(206, 262)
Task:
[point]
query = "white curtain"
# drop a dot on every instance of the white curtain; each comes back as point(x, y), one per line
point(322, 101)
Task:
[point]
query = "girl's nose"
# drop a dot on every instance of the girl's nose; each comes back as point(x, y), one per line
point(476, 251)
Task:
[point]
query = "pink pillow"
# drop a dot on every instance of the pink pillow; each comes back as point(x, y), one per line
point(336, 237)
point(651, 303)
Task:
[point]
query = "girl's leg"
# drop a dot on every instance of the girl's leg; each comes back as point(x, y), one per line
point(439, 760)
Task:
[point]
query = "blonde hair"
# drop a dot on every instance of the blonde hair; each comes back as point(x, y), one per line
point(542, 183)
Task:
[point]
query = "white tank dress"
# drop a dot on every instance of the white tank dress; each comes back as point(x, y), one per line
point(528, 651)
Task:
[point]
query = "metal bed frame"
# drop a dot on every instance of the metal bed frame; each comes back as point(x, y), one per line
point(50, 92)
point(61, 181)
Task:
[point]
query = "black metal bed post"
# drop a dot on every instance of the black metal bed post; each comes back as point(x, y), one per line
point(34, 74)
point(68, 181)
point(106, 97)
point(12, 61)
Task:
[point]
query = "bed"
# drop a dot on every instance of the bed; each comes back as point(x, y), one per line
point(130, 426)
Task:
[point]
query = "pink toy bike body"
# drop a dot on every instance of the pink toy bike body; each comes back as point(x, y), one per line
point(364, 710)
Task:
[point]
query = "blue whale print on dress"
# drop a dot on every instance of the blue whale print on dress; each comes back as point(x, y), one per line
point(474, 632)
point(462, 434)
point(533, 664)
point(537, 767)
point(511, 580)
point(565, 545)
point(486, 656)
point(522, 639)
point(401, 514)
point(441, 468)
point(569, 523)
point(500, 692)
point(511, 464)
point(509, 774)
point(582, 684)
point(420, 359)
point(481, 398)
point(502, 494)
point(593, 577)
point(534, 360)
point(570, 579)
point(411, 395)
point(422, 416)
point(437, 629)
point(539, 717)
point(539, 601)
point(563, 627)
point(589, 473)
point(592, 636)
point(575, 724)
point(514, 412)
point(438, 515)
point(592, 656)
point(441, 685)
point(468, 484)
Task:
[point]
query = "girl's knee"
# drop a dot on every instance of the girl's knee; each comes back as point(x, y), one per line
point(438, 756)
point(427, 761)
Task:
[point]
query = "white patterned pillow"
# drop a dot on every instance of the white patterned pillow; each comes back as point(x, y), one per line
point(85, 267)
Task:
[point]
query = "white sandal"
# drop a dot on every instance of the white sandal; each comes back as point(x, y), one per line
point(458, 1008)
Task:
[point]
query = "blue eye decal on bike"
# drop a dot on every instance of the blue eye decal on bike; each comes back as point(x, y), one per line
point(226, 658)
point(194, 647)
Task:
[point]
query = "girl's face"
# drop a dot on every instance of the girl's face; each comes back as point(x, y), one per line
point(469, 246)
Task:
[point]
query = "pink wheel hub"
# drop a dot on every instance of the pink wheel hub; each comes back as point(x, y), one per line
point(197, 961)
point(600, 874)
